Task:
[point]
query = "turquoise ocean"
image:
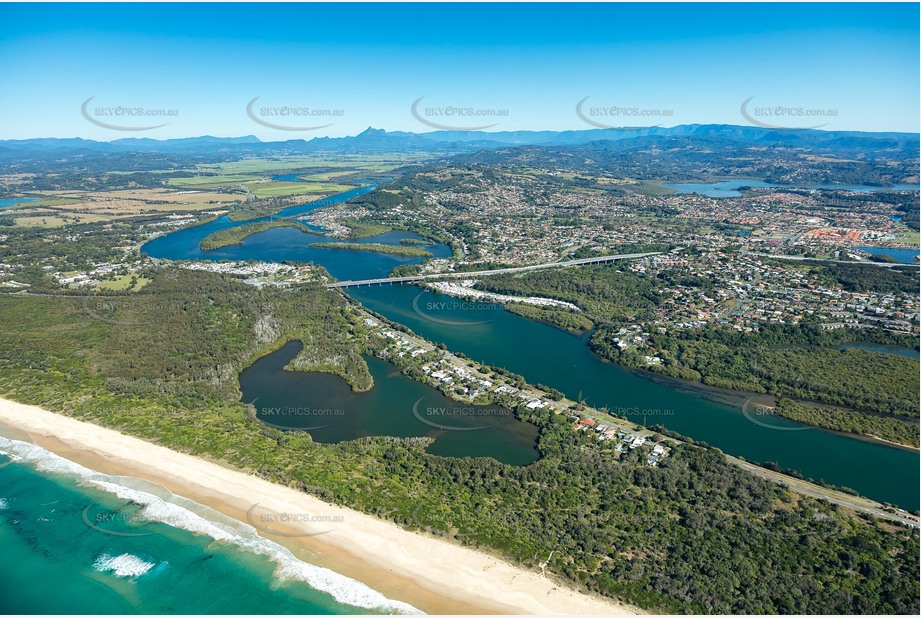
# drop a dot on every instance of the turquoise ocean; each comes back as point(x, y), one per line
point(75, 541)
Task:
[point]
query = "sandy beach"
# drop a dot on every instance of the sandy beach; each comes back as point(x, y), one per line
point(431, 574)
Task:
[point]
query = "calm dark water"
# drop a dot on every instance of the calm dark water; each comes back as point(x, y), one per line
point(882, 349)
point(280, 244)
point(547, 355)
point(905, 256)
point(729, 188)
point(326, 406)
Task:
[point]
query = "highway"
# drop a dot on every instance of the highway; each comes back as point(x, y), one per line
point(497, 271)
point(801, 258)
point(857, 503)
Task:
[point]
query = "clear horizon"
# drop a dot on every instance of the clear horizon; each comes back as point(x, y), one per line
point(307, 138)
point(282, 72)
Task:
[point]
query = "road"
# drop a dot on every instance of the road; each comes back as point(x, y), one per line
point(856, 503)
point(800, 258)
point(497, 271)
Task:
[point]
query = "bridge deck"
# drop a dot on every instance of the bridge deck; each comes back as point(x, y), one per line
point(482, 273)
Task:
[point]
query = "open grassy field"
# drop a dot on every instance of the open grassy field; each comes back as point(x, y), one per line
point(909, 237)
point(651, 188)
point(327, 176)
point(218, 180)
point(68, 207)
point(261, 185)
point(123, 283)
point(43, 220)
point(322, 176)
point(49, 201)
point(280, 189)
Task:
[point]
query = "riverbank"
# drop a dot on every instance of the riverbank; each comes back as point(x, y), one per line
point(741, 399)
point(236, 235)
point(405, 250)
point(643, 412)
point(465, 289)
point(428, 573)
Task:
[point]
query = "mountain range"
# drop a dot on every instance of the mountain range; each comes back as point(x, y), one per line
point(851, 143)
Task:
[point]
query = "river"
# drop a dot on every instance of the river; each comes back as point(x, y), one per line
point(903, 256)
point(730, 188)
point(279, 244)
point(546, 355)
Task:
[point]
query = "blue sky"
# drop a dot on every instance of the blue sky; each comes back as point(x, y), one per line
point(675, 63)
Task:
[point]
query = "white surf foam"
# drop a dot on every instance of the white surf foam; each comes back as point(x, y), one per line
point(188, 515)
point(157, 509)
point(123, 565)
point(4, 504)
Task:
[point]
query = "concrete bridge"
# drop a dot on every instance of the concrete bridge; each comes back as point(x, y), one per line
point(483, 273)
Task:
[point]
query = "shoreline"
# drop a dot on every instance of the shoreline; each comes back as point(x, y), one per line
point(738, 398)
point(433, 575)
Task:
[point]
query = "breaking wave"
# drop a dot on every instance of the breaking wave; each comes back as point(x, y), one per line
point(124, 565)
point(159, 504)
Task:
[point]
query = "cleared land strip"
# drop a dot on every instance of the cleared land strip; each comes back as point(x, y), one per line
point(800, 258)
point(497, 271)
point(856, 503)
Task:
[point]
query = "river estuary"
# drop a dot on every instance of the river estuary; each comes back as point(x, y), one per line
point(542, 354)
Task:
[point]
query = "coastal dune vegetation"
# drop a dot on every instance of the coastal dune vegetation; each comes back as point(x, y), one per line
point(694, 535)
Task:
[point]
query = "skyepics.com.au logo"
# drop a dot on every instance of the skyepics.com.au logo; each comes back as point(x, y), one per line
point(283, 117)
point(621, 116)
point(430, 310)
point(440, 523)
point(118, 523)
point(125, 117)
point(793, 524)
point(455, 117)
point(457, 417)
point(291, 524)
point(785, 116)
point(767, 417)
point(637, 411)
point(126, 310)
point(287, 418)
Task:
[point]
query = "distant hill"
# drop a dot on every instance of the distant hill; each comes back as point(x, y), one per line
point(685, 152)
point(701, 152)
point(378, 140)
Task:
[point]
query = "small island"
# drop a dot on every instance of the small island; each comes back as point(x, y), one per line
point(375, 248)
point(417, 241)
point(236, 235)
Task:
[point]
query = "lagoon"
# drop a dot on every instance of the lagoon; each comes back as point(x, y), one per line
point(327, 407)
point(546, 355)
point(16, 200)
point(730, 188)
point(904, 256)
